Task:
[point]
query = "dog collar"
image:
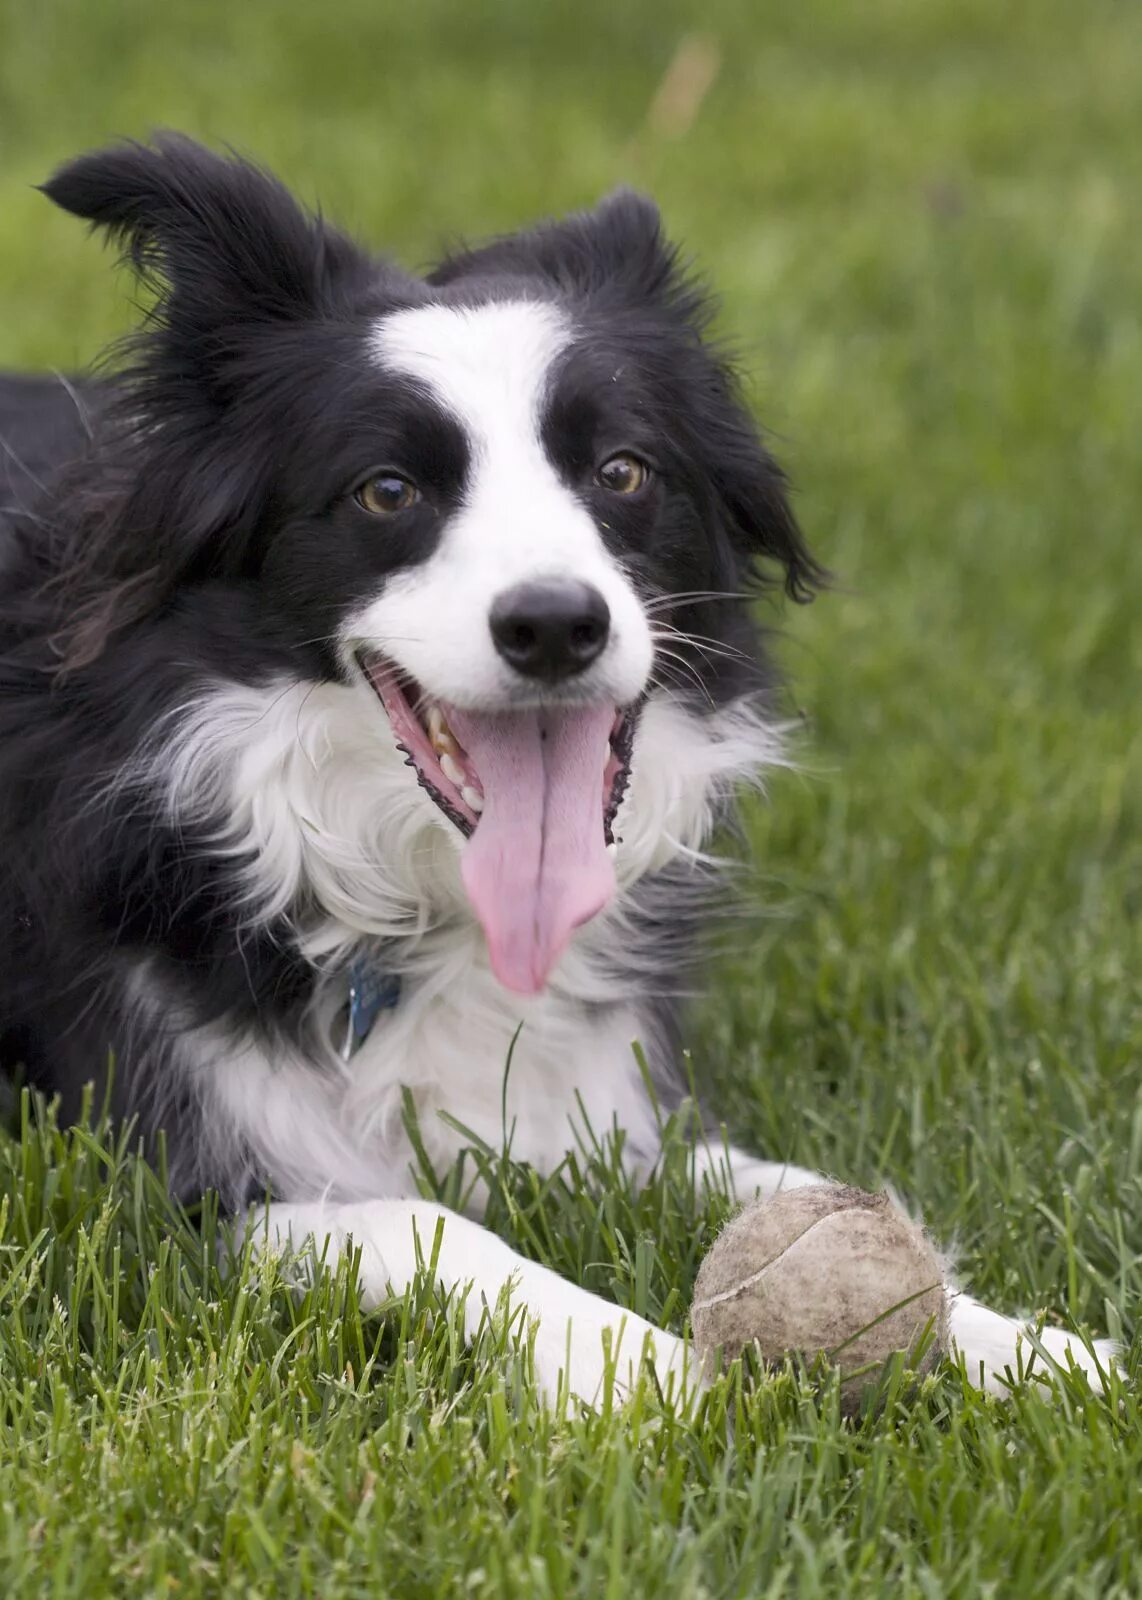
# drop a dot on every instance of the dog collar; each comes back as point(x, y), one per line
point(370, 993)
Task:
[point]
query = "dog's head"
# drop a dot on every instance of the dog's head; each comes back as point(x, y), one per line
point(511, 504)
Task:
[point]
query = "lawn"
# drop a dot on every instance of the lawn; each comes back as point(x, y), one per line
point(923, 219)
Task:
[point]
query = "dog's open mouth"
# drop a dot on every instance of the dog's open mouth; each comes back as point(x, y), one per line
point(536, 793)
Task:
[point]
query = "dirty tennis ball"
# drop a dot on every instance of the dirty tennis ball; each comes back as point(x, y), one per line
point(822, 1271)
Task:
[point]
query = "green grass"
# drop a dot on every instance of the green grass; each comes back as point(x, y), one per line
point(923, 218)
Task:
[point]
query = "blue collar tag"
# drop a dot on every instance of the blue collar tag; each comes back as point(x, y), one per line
point(370, 993)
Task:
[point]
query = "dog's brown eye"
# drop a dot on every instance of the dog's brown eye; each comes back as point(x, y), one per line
point(386, 494)
point(623, 474)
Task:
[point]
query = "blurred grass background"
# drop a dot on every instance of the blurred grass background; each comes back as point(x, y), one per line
point(923, 220)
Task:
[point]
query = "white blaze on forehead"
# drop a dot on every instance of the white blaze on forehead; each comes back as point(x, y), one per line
point(488, 365)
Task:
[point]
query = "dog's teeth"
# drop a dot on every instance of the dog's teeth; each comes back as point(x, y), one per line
point(440, 734)
point(452, 769)
point(472, 798)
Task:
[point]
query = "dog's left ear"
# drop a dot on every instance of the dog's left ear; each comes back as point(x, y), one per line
point(620, 251)
point(751, 490)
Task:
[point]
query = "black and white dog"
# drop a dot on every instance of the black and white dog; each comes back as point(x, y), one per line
point(377, 657)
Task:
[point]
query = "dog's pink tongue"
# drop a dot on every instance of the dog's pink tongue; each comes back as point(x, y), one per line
point(536, 866)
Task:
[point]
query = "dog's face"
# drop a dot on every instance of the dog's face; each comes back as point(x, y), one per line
point(508, 505)
point(521, 603)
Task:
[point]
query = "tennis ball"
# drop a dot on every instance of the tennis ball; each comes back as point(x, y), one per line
point(822, 1271)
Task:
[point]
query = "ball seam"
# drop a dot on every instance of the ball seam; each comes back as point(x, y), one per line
point(724, 1295)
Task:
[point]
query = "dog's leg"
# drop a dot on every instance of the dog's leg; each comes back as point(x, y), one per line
point(994, 1348)
point(397, 1236)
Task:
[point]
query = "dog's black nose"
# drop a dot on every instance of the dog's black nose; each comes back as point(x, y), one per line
point(550, 630)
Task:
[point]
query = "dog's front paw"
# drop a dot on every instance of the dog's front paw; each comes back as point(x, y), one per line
point(997, 1351)
point(585, 1350)
point(597, 1355)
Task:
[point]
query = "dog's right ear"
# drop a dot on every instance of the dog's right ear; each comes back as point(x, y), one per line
point(616, 253)
point(225, 241)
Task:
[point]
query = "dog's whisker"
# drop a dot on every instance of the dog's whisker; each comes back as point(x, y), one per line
point(677, 664)
point(709, 648)
point(712, 653)
point(667, 602)
point(698, 638)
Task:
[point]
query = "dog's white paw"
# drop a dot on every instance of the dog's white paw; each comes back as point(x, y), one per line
point(997, 1351)
point(585, 1350)
point(594, 1353)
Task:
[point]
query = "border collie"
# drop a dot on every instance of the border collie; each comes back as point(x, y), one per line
point(377, 657)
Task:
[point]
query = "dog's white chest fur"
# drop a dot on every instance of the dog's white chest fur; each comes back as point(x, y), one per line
point(317, 1125)
point(319, 804)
